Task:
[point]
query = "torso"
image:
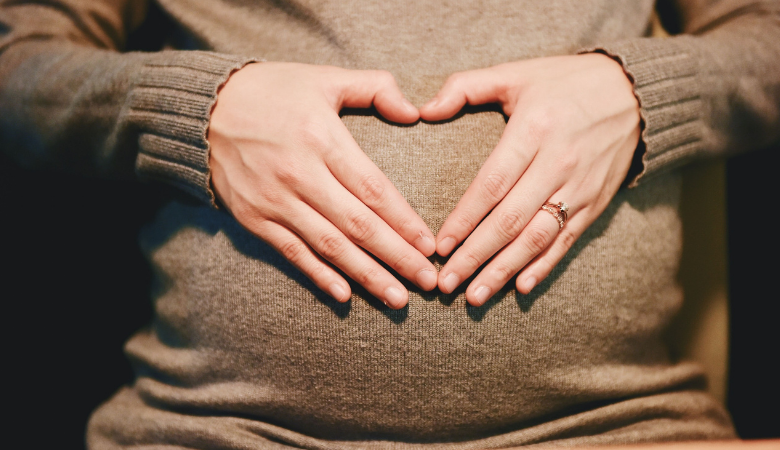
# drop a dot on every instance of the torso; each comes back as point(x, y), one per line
point(240, 332)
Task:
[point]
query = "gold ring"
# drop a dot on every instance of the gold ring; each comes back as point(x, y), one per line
point(558, 210)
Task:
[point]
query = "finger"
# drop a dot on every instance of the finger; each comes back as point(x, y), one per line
point(533, 240)
point(355, 171)
point(330, 243)
point(501, 226)
point(473, 87)
point(541, 267)
point(495, 178)
point(362, 88)
point(363, 227)
point(292, 248)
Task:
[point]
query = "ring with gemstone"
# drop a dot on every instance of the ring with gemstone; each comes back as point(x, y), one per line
point(559, 211)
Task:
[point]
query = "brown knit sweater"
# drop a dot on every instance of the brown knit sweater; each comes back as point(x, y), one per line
point(244, 352)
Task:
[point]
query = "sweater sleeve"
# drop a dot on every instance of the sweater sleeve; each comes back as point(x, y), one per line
point(69, 99)
point(712, 89)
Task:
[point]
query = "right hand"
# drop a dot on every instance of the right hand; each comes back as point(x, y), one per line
point(285, 166)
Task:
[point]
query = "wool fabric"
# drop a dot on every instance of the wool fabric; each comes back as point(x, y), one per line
point(245, 352)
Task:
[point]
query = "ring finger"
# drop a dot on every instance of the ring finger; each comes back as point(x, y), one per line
point(503, 225)
point(533, 240)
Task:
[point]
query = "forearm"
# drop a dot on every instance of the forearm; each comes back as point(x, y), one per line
point(714, 90)
point(67, 103)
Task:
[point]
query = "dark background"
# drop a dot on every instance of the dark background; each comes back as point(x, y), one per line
point(75, 287)
point(754, 378)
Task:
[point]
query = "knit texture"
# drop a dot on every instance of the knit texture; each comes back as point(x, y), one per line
point(171, 104)
point(245, 352)
point(664, 78)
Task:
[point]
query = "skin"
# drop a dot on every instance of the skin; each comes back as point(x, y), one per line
point(289, 171)
point(573, 128)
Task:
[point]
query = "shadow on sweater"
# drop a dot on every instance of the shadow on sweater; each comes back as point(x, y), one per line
point(182, 212)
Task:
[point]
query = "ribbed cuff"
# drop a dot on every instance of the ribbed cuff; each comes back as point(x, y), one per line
point(170, 104)
point(665, 82)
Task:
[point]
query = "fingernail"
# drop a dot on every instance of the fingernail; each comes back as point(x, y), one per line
point(410, 106)
point(433, 103)
point(426, 279)
point(446, 245)
point(394, 297)
point(450, 282)
point(425, 244)
point(529, 283)
point(482, 294)
point(338, 292)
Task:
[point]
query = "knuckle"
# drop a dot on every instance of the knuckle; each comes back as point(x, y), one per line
point(370, 190)
point(331, 246)
point(537, 239)
point(542, 124)
point(502, 272)
point(282, 213)
point(567, 238)
point(276, 195)
point(404, 227)
point(246, 213)
point(250, 216)
point(472, 261)
point(316, 135)
point(293, 251)
point(495, 186)
point(291, 176)
point(466, 222)
point(359, 227)
point(542, 267)
point(567, 162)
point(316, 271)
point(401, 261)
point(510, 223)
point(367, 276)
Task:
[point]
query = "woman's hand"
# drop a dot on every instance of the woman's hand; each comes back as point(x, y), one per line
point(289, 171)
point(573, 127)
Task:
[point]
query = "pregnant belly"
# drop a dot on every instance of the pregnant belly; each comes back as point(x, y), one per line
point(239, 331)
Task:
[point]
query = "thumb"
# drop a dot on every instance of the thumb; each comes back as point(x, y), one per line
point(473, 87)
point(362, 88)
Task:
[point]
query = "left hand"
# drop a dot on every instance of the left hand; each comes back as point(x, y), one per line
point(573, 128)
